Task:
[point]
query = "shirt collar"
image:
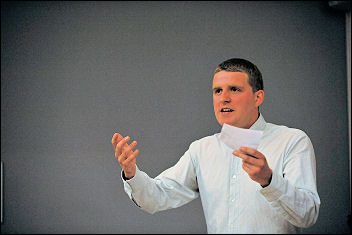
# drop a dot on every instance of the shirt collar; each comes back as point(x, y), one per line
point(259, 124)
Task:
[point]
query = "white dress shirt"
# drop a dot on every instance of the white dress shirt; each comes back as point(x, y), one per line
point(232, 202)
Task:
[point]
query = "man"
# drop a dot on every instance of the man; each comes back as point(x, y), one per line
point(271, 189)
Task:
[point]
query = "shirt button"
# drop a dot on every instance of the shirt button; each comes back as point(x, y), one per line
point(232, 200)
point(234, 177)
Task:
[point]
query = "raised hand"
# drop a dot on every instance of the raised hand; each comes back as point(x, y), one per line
point(124, 154)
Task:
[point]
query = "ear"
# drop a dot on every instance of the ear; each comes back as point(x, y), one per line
point(259, 97)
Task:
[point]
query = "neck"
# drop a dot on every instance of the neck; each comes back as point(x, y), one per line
point(255, 118)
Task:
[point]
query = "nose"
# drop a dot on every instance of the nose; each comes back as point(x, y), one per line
point(225, 98)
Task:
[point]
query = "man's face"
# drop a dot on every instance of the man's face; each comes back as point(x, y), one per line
point(234, 101)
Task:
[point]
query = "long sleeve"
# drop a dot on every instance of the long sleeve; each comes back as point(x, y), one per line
point(293, 192)
point(232, 202)
point(173, 188)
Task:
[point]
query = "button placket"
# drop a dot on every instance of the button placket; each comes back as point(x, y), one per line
point(234, 192)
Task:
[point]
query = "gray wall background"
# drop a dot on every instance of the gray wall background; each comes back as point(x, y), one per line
point(73, 73)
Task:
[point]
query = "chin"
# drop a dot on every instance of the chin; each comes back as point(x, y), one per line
point(228, 121)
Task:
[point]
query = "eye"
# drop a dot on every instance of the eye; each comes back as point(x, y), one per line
point(217, 91)
point(234, 88)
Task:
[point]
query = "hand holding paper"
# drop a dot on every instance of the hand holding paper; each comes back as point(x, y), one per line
point(253, 161)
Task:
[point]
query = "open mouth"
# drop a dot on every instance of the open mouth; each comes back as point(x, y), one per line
point(226, 110)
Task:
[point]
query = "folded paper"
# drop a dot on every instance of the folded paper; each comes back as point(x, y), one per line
point(235, 137)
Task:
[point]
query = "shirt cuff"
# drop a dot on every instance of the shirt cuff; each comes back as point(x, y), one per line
point(134, 184)
point(274, 190)
point(137, 182)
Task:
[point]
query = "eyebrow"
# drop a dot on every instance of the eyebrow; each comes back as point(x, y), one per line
point(219, 87)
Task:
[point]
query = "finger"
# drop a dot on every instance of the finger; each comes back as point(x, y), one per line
point(126, 152)
point(120, 137)
point(115, 139)
point(120, 145)
point(246, 168)
point(249, 168)
point(131, 147)
point(131, 157)
point(245, 157)
point(251, 152)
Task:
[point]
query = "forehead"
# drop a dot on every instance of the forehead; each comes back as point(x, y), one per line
point(224, 78)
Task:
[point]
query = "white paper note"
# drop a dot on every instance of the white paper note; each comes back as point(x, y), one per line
point(235, 137)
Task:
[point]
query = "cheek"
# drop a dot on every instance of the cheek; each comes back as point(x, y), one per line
point(215, 101)
point(242, 100)
point(238, 100)
point(216, 106)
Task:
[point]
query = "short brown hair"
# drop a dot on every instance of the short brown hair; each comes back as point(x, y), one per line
point(242, 65)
